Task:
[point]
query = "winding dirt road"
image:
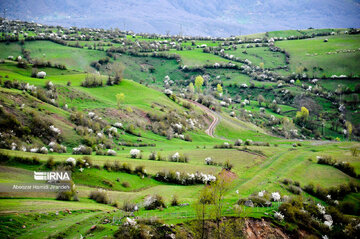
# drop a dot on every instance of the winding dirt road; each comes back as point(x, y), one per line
point(209, 131)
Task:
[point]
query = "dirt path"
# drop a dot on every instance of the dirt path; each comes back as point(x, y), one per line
point(209, 131)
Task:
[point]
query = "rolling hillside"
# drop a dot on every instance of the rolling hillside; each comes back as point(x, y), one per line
point(147, 124)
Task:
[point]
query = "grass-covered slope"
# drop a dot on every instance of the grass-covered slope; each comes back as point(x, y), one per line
point(339, 56)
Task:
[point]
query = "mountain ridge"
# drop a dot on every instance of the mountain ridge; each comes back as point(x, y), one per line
point(198, 17)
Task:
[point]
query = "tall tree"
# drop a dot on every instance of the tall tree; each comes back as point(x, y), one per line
point(218, 190)
point(199, 81)
point(219, 89)
point(202, 210)
point(191, 87)
point(120, 99)
point(261, 99)
point(303, 114)
point(117, 69)
point(349, 128)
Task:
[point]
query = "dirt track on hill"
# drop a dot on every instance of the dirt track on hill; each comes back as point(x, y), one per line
point(209, 131)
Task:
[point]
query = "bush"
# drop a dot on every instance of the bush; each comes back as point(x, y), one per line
point(87, 161)
point(154, 202)
point(342, 166)
point(287, 181)
point(188, 138)
point(348, 208)
point(81, 149)
point(227, 165)
point(34, 72)
point(337, 193)
point(180, 158)
point(174, 201)
point(108, 166)
point(140, 170)
point(100, 196)
point(309, 189)
point(184, 178)
point(92, 81)
point(129, 206)
point(325, 160)
point(224, 146)
point(295, 190)
point(152, 156)
point(126, 184)
point(238, 142)
point(248, 142)
point(108, 183)
point(64, 196)
point(354, 151)
point(50, 163)
point(159, 157)
point(258, 201)
point(127, 168)
point(67, 195)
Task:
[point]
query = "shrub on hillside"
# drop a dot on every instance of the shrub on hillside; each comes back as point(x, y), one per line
point(140, 170)
point(188, 138)
point(152, 156)
point(224, 146)
point(100, 196)
point(126, 184)
point(92, 80)
point(81, 149)
point(129, 206)
point(154, 202)
point(294, 189)
point(135, 153)
point(50, 163)
point(227, 165)
point(349, 208)
point(333, 193)
point(174, 201)
point(238, 142)
point(120, 167)
point(342, 166)
point(68, 195)
point(181, 158)
point(184, 178)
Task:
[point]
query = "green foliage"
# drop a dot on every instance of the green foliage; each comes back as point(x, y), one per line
point(199, 81)
point(120, 99)
point(191, 87)
point(302, 115)
point(68, 195)
point(174, 201)
point(92, 80)
point(219, 89)
point(154, 202)
point(100, 196)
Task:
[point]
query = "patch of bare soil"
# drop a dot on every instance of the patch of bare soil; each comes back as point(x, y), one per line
point(261, 229)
